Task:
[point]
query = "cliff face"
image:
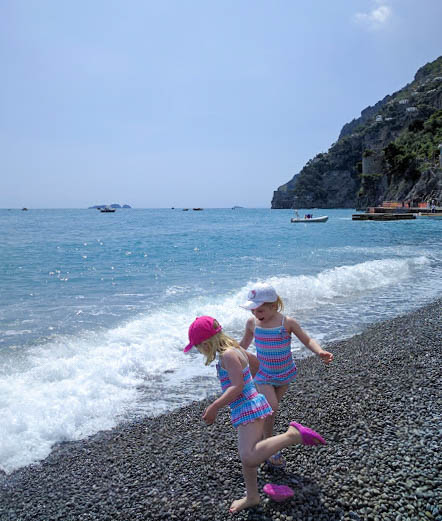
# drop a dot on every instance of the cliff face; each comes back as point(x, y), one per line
point(389, 153)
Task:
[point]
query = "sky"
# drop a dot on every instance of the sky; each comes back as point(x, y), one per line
point(190, 103)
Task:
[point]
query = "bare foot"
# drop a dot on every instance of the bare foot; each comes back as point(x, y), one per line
point(294, 434)
point(301, 434)
point(245, 502)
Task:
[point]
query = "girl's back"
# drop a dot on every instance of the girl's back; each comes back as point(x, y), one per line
point(249, 405)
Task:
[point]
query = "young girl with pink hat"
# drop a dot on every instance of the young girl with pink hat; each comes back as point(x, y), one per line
point(248, 408)
point(272, 332)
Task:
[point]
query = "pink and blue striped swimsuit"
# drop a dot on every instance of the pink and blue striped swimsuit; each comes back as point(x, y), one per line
point(273, 350)
point(250, 405)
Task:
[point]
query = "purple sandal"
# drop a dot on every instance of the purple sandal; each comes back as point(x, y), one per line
point(277, 463)
point(309, 436)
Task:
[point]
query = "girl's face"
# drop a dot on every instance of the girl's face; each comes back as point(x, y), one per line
point(203, 348)
point(265, 311)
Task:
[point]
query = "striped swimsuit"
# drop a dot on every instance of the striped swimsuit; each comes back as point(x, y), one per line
point(250, 405)
point(273, 350)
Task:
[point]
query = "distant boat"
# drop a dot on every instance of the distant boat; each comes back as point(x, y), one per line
point(24, 209)
point(107, 210)
point(198, 209)
point(185, 209)
point(298, 219)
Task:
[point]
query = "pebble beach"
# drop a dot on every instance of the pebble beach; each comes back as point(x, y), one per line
point(378, 405)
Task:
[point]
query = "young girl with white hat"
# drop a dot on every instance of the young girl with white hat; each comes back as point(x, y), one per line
point(272, 332)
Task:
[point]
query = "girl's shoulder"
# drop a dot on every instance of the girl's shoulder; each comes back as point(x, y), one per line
point(235, 354)
point(290, 324)
point(250, 324)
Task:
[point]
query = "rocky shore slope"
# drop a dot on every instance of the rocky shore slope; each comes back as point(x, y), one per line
point(378, 406)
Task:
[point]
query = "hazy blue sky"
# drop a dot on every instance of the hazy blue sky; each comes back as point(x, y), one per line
point(190, 103)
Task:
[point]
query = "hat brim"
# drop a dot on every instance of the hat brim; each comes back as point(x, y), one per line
point(252, 304)
point(188, 348)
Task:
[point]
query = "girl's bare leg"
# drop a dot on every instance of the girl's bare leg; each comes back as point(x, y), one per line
point(280, 391)
point(247, 438)
point(253, 450)
point(252, 495)
point(270, 393)
point(273, 395)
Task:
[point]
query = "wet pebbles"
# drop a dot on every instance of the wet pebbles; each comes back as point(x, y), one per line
point(378, 406)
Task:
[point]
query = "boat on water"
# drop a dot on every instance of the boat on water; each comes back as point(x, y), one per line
point(106, 209)
point(422, 215)
point(308, 219)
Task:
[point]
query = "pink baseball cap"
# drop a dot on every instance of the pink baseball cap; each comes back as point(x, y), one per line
point(200, 330)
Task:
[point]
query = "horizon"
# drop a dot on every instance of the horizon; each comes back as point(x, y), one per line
point(192, 105)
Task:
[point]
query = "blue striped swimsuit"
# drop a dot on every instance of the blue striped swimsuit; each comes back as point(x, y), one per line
point(273, 350)
point(250, 405)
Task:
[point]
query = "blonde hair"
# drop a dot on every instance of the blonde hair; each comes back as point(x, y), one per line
point(278, 304)
point(218, 343)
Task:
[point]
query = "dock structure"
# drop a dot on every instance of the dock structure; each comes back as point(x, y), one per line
point(398, 211)
point(382, 216)
point(415, 209)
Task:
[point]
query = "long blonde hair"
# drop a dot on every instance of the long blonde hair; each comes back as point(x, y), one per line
point(218, 343)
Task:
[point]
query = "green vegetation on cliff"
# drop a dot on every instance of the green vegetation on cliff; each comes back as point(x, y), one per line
point(422, 138)
point(390, 152)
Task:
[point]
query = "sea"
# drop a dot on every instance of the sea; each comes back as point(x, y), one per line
point(95, 307)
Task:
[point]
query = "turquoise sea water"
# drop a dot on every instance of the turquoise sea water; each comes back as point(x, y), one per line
point(94, 308)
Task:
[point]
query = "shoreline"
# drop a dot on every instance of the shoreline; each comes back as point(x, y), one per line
point(376, 405)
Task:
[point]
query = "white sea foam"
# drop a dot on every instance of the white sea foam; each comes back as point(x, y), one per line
point(73, 387)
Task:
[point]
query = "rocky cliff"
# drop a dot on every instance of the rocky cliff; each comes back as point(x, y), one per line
point(389, 153)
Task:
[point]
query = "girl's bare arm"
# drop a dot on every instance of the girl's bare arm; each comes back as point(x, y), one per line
point(253, 363)
point(232, 364)
point(248, 334)
point(310, 343)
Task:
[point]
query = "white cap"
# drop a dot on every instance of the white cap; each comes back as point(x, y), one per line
point(259, 295)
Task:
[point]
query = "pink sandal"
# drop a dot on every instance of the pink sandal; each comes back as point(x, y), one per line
point(309, 436)
point(278, 492)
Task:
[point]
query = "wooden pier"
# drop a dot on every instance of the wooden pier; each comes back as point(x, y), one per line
point(382, 216)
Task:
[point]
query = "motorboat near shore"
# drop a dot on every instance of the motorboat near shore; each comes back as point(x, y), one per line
point(308, 218)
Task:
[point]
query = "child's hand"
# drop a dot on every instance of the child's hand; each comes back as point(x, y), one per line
point(326, 357)
point(209, 415)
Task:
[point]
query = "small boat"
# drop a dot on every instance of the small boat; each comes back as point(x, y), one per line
point(106, 209)
point(298, 219)
point(422, 215)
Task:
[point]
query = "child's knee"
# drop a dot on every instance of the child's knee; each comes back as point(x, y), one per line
point(247, 459)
